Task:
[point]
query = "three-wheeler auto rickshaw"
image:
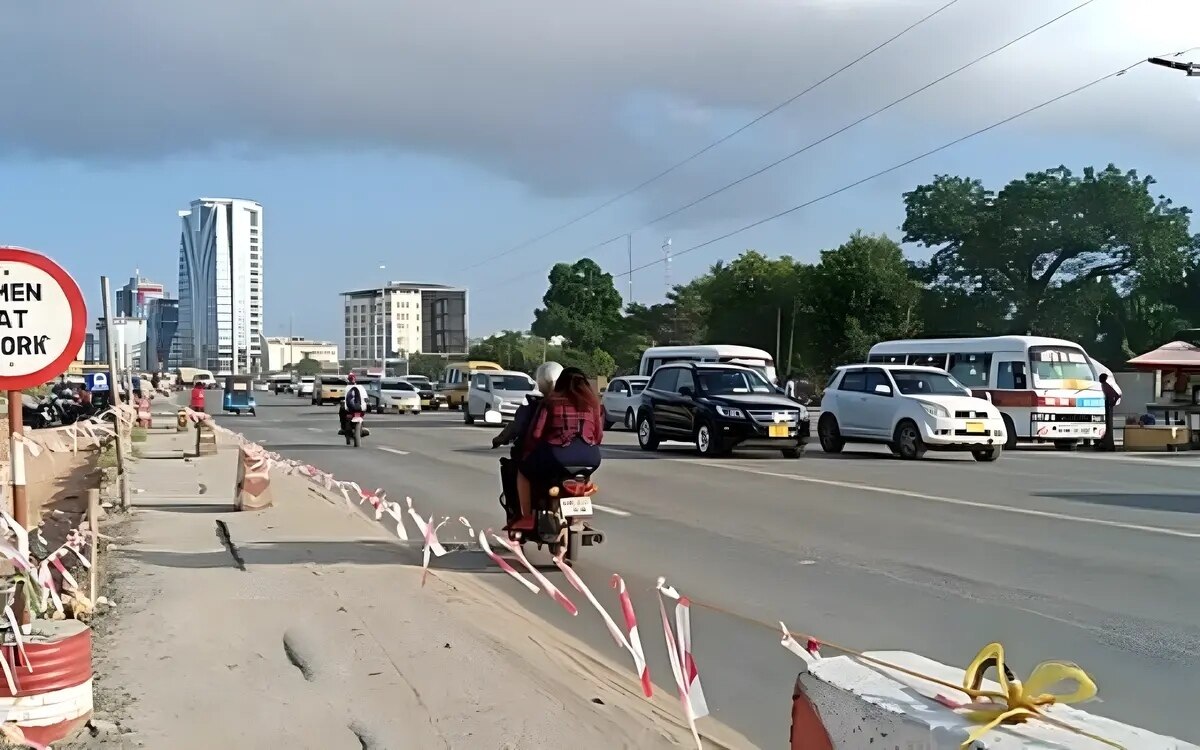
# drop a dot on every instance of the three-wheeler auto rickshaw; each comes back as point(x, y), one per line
point(239, 395)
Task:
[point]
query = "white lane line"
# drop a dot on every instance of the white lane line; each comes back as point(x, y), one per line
point(313, 429)
point(614, 511)
point(1174, 461)
point(953, 500)
point(397, 451)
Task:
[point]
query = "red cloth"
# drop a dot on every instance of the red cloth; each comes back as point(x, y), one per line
point(197, 398)
point(559, 423)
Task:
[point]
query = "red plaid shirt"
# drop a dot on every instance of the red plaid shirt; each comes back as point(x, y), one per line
point(559, 423)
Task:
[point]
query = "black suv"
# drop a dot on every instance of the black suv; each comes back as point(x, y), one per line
point(719, 407)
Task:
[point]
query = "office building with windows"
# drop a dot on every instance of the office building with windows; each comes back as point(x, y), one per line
point(133, 299)
point(401, 318)
point(221, 286)
point(162, 340)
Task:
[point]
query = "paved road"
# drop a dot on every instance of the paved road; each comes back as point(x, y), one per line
point(1091, 559)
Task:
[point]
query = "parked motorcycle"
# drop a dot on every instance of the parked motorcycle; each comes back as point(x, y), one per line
point(66, 409)
point(562, 507)
point(36, 414)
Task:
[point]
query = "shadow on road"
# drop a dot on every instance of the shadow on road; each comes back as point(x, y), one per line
point(186, 507)
point(1171, 503)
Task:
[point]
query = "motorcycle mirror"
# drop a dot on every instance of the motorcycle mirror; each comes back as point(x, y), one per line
point(491, 417)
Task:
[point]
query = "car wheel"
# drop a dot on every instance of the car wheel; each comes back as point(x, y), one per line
point(1066, 445)
point(1010, 433)
point(645, 431)
point(829, 435)
point(708, 441)
point(630, 420)
point(467, 418)
point(317, 403)
point(909, 445)
point(795, 452)
point(608, 423)
point(987, 455)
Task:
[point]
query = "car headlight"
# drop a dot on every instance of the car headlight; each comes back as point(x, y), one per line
point(935, 411)
point(729, 412)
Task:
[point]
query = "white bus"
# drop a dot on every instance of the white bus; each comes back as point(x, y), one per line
point(1047, 389)
point(757, 359)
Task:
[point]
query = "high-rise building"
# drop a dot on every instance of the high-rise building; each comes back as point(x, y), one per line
point(134, 298)
point(162, 340)
point(221, 286)
point(404, 318)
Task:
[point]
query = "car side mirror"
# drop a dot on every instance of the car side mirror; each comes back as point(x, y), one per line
point(491, 417)
point(883, 390)
point(687, 391)
point(481, 386)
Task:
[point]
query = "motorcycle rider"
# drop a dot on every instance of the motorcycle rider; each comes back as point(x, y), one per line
point(566, 430)
point(355, 400)
point(515, 433)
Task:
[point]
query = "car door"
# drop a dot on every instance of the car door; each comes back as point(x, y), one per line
point(616, 399)
point(657, 396)
point(477, 397)
point(851, 402)
point(878, 406)
point(683, 407)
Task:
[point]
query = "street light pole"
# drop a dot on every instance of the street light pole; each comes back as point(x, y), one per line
point(383, 324)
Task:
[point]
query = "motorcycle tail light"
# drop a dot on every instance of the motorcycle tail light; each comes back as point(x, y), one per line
point(577, 488)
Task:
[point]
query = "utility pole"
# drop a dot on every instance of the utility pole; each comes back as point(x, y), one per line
point(778, 334)
point(629, 252)
point(114, 388)
point(383, 325)
point(666, 248)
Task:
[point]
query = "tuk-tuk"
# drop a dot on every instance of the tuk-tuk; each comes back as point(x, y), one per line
point(239, 394)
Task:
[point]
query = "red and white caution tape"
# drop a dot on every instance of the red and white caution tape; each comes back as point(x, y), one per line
point(549, 588)
point(434, 544)
point(683, 665)
point(487, 549)
point(635, 640)
point(430, 540)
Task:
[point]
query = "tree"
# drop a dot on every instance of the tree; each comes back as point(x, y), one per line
point(430, 365)
point(581, 304)
point(754, 301)
point(859, 294)
point(307, 367)
point(1044, 237)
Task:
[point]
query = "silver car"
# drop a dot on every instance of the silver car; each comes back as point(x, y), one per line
point(503, 391)
point(621, 400)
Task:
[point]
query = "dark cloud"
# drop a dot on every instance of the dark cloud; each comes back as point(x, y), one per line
point(540, 91)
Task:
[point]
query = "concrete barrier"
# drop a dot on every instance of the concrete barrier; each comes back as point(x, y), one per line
point(253, 488)
point(846, 703)
point(206, 439)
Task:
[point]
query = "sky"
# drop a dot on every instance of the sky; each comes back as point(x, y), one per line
point(437, 139)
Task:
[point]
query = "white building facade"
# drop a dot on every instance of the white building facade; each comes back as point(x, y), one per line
point(282, 351)
point(221, 286)
point(129, 343)
point(403, 318)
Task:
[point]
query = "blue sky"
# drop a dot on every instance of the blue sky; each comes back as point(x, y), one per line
point(436, 146)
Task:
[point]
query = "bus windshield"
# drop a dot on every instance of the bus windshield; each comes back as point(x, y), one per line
point(1060, 367)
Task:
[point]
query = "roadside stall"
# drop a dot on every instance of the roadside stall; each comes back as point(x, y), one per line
point(1176, 408)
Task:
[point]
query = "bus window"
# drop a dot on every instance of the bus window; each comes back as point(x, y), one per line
point(928, 360)
point(1011, 376)
point(971, 369)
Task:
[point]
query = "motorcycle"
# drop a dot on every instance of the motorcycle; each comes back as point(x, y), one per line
point(562, 507)
point(36, 414)
point(67, 410)
point(352, 427)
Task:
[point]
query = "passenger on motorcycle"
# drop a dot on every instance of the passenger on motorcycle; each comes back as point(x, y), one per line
point(566, 431)
point(355, 400)
point(517, 431)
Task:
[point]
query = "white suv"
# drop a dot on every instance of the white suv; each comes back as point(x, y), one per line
point(909, 409)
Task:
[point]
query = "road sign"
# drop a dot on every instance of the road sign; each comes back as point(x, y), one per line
point(42, 319)
point(96, 381)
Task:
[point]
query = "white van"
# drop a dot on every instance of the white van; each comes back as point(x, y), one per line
point(747, 356)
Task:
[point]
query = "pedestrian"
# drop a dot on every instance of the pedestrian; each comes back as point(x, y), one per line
point(197, 403)
point(789, 387)
point(1112, 397)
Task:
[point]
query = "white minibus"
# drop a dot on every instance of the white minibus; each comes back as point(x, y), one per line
point(746, 356)
point(1046, 389)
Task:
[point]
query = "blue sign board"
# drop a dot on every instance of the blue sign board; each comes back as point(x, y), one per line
point(96, 381)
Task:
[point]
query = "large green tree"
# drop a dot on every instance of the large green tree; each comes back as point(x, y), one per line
point(857, 295)
point(1044, 237)
point(754, 301)
point(581, 304)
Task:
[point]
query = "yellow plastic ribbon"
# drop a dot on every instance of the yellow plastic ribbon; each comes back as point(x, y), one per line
point(1020, 701)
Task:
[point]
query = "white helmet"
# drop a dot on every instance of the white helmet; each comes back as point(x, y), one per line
point(546, 376)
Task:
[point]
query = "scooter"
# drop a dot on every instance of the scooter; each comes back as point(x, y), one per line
point(353, 429)
point(561, 510)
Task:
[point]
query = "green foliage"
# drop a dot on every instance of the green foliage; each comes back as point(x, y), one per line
point(430, 365)
point(581, 304)
point(307, 367)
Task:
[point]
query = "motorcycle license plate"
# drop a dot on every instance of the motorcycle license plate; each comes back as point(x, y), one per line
point(777, 430)
point(575, 506)
point(976, 427)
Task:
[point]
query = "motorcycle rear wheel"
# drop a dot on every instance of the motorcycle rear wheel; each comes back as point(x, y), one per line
point(357, 434)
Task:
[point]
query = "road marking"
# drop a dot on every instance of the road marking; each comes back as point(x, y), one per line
point(397, 451)
point(954, 500)
point(313, 429)
point(614, 511)
point(1173, 460)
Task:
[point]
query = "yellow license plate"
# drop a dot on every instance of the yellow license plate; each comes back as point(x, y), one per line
point(777, 430)
point(975, 427)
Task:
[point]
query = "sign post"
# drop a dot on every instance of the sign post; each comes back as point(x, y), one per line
point(122, 478)
point(42, 324)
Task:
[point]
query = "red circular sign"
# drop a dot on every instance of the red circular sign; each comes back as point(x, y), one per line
point(23, 303)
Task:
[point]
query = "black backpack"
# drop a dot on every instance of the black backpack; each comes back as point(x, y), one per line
point(353, 399)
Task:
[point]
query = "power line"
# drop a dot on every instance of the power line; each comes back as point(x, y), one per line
point(893, 168)
point(864, 118)
point(876, 175)
point(709, 147)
